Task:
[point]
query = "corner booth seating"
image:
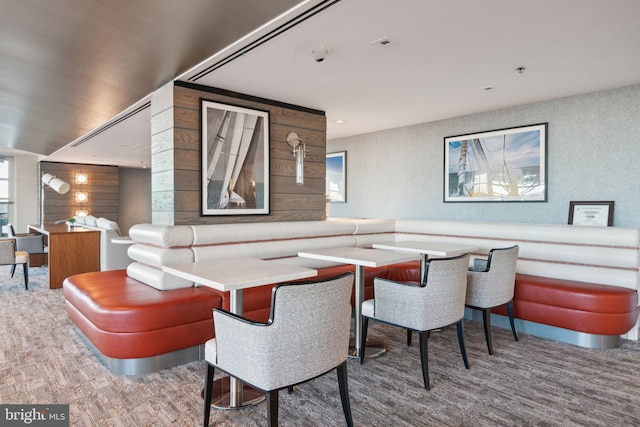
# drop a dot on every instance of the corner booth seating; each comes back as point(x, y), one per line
point(574, 284)
point(143, 319)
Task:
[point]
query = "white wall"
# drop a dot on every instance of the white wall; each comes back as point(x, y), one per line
point(593, 153)
point(135, 198)
point(26, 209)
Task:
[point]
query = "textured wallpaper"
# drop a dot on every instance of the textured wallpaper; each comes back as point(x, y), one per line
point(593, 153)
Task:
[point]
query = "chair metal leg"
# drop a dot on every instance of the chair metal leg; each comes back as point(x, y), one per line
point(290, 389)
point(208, 391)
point(363, 342)
point(344, 393)
point(424, 356)
point(463, 350)
point(26, 275)
point(13, 270)
point(272, 408)
point(511, 321)
point(486, 320)
point(409, 335)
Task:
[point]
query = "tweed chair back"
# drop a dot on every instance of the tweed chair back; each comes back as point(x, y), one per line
point(306, 336)
point(7, 252)
point(32, 244)
point(437, 302)
point(27, 242)
point(494, 284)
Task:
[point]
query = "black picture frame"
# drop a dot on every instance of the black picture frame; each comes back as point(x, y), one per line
point(235, 159)
point(502, 165)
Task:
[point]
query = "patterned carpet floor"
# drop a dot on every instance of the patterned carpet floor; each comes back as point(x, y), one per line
point(534, 382)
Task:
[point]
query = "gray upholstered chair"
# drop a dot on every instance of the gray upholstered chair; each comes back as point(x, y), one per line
point(10, 256)
point(491, 284)
point(307, 335)
point(33, 243)
point(437, 302)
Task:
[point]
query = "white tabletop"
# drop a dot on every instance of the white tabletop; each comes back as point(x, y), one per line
point(238, 273)
point(358, 256)
point(428, 248)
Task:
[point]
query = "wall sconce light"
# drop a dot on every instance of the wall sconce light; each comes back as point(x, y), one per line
point(82, 212)
point(299, 152)
point(82, 196)
point(82, 178)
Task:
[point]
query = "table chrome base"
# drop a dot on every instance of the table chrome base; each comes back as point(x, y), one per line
point(222, 397)
point(374, 348)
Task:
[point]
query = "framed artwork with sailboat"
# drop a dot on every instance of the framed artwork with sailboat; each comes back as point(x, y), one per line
point(234, 160)
point(504, 165)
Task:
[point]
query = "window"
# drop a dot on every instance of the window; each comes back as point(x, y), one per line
point(5, 191)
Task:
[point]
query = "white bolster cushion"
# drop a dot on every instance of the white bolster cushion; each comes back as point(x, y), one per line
point(90, 220)
point(156, 278)
point(157, 256)
point(107, 224)
point(545, 251)
point(604, 276)
point(257, 232)
point(367, 240)
point(162, 235)
point(614, 236)
point(369, 226)
point(80, 219)
point(270, 250)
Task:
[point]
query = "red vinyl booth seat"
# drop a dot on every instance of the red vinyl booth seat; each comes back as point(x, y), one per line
point(127, 319)
point(577, 306)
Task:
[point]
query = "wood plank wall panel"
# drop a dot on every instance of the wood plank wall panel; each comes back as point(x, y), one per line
point(162, 169)
point(103, 189)
point(177, 200)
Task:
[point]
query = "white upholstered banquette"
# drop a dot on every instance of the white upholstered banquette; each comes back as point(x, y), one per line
point(603, 255)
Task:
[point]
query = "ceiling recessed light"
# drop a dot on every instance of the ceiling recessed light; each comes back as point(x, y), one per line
point(340, 121)
point(384, 41)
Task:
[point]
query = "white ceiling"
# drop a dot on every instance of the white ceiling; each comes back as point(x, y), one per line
point(441, 57)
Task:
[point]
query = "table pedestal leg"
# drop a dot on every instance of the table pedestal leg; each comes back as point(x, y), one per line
point(374, 348)
point(229, 392)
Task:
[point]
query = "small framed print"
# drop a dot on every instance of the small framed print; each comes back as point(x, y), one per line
point(337, 177)
point(598, 214)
